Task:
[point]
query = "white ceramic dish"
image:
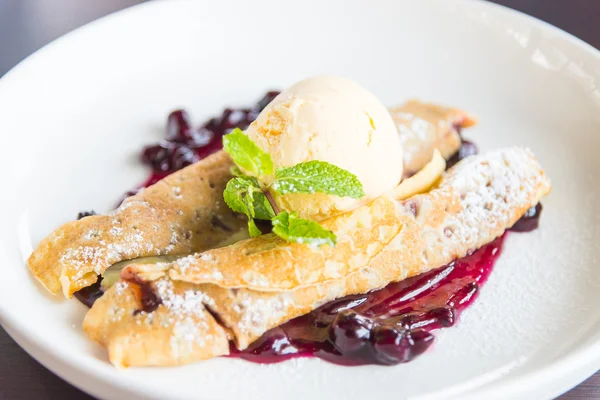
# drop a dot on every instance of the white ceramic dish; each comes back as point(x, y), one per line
point(74, 115)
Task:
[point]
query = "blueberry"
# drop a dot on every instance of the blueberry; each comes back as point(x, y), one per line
point(394, 345)
point(350, 332)
point(529, 221)
point(169, 157)
point(181, 157)
point(466, 149)
point(199, 137)
point(233, 118)
point(84, 214)
point(443, 316)
point(155, 154)
point(178, 123)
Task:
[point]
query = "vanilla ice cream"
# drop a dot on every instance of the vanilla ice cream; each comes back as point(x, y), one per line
point(333, 119)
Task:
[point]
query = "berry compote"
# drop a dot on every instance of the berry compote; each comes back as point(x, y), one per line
point(388, 326)
point(185, 144)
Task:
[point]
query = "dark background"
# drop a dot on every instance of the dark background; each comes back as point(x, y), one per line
point(26, 25)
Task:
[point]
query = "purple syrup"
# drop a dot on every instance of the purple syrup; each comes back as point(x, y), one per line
point(84, 214)
point(89, 295)
point(465, 150)
point(149, 300)
point(389, 326)
point(186, 144)
point(530, 221)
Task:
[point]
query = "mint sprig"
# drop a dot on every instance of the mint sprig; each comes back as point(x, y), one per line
point(246, 154)
point(317, 176)
point(245, 195)
point(294, 229)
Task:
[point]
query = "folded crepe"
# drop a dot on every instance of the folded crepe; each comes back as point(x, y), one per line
point(424, 127)
point(238, 292)
point(185, 213)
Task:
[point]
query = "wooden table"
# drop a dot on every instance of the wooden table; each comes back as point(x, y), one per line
point(26, 25)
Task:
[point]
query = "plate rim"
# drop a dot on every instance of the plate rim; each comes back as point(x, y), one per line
point(582, 361)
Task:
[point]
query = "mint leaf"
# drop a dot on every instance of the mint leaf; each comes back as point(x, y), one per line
point(244, 195)
point(246, 154)
point(235, 193)
point(317, 176)
point(253, 229)
point(262, 207)
point(236, 171)
point(293, 229)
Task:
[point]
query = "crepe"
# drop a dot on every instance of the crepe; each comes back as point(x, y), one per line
point(185, 213)
point(475, 202)
point(180, 214)
point(424, 127)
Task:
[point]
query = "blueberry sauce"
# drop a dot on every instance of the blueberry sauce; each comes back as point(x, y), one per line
point(387, 327)
point(88, 295)
point(529, 221)
point(149, 300)
point(84, 214)
point(186, 144)
point(465, 150)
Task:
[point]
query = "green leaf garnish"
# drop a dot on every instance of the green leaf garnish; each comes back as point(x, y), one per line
point(293, 229)
point(253, 229)
point(262, 207)
point(235, 191)
point(317, 176)
point(246, 154)
point(236, 171)
point(244, 195)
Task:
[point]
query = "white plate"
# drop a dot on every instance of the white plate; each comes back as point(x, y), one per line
point(74, 116)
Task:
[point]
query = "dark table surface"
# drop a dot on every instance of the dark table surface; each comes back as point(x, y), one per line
point(26, 25)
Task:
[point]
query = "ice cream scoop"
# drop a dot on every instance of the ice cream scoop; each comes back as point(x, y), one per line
point(332, 119)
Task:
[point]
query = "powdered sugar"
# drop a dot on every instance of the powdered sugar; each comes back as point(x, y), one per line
point(183, 264)
point(81, 256)
point(255, 312)
point(173, 241)
point(187, 317)
point(190, 302)
point(490, 188)
point(120, 287)
point(83, 259)
point(176, 190)
point(91, 234)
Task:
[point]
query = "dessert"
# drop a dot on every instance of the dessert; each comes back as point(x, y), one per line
point(331, 266)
